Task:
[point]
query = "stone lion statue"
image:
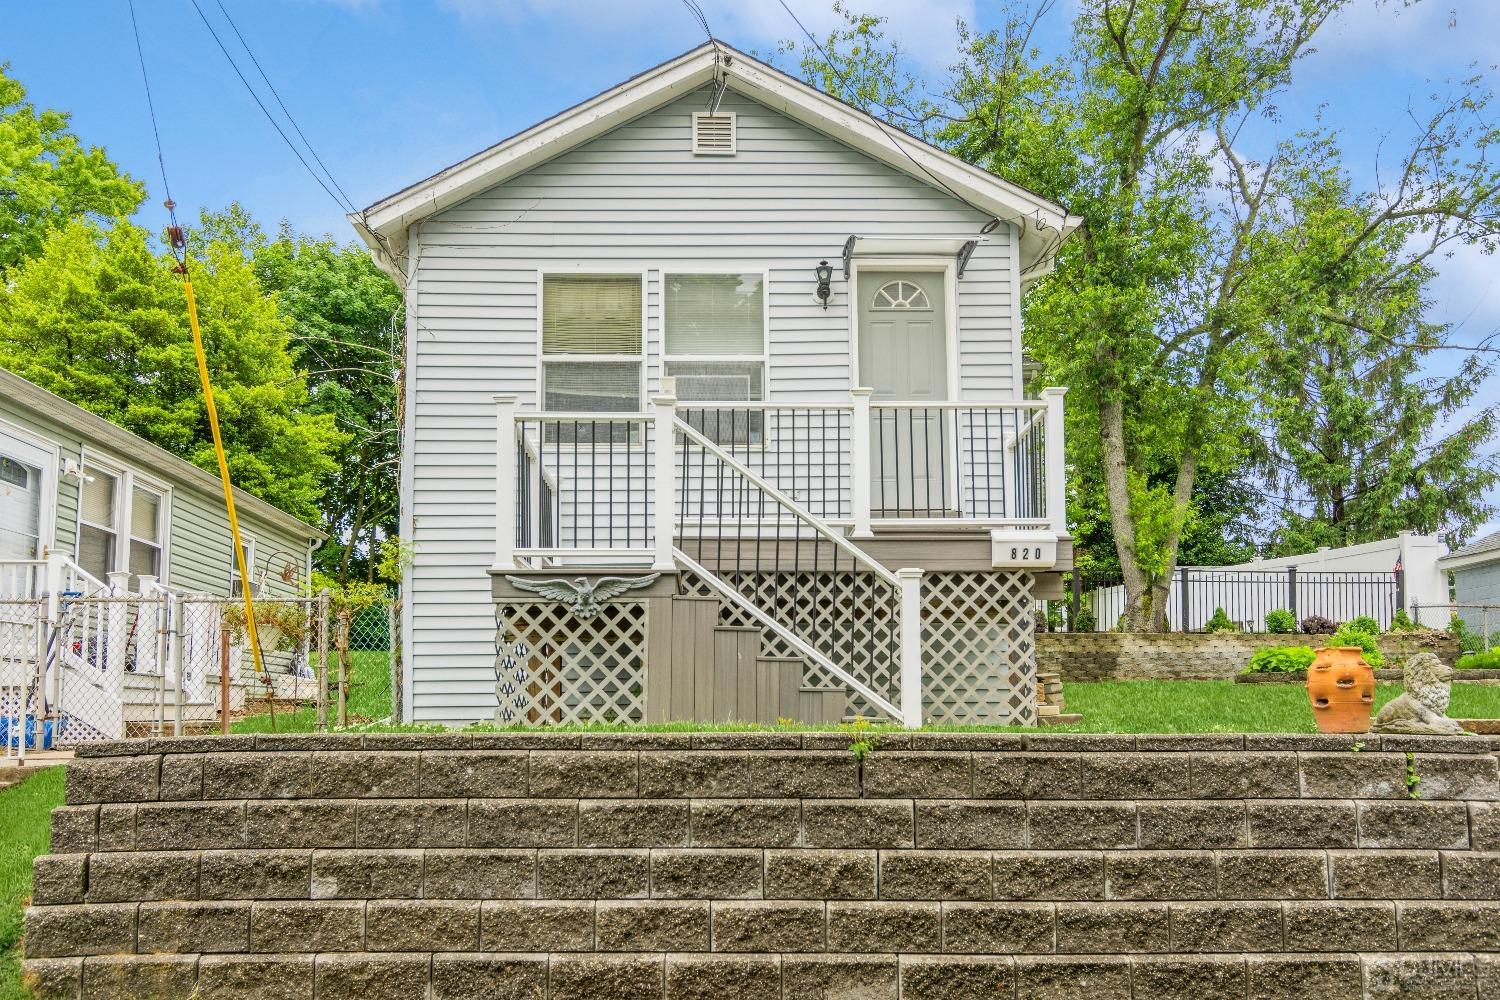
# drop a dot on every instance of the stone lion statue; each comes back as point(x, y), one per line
point(1422, 709)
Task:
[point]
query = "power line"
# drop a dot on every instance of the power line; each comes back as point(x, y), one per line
point(995, 220)
point(161, 160)
point(282, 104)
point(343, 205)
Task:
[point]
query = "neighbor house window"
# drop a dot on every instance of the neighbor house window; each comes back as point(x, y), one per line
point(147, 513)
point(715, 346)
point(591, 343)
point(98, 527)
point(236, 583)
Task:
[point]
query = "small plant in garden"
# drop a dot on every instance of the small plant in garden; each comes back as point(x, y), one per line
point(863, 740)
point(1364, 623)
point(1412, 778)
point(1480, 661)
point(1085, 622)
point(1220, 622)
point(1318, 625)
point(1349, 636)
point(1401, 622)
point(1469, 641)
point(1280, 659)
point(1280, 621)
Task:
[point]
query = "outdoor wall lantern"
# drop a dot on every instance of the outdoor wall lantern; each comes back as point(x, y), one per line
point(825, 281)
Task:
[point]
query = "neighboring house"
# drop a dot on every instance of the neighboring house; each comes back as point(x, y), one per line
point(1476, 584)
point(717, 285)
point(107, 513)
point(1372, 579)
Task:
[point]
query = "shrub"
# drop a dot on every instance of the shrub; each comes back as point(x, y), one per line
point(1401, 622)
point(1318, 625)
point(1220, 622)
point(1347, 636)
point(1280, 659)
point(1480, 661)
point(1468, 640)
point(1281, 622)
point(1364, 623)
point(1085, 621)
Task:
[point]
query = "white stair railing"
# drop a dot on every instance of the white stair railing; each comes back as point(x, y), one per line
point(781, 551)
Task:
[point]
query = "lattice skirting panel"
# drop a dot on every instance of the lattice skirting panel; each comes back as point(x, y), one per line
point(978, 647)
point(551, 668)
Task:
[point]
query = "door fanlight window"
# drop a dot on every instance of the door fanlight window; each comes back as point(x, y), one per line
point(900, 294)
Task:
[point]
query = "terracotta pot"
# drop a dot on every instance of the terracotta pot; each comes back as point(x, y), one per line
point(1341, 689)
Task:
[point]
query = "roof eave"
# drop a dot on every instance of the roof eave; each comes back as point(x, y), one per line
point(1043, 224)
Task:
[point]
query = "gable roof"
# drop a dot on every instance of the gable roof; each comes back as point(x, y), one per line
point(383, 226)
point(140, 452)
point(1478, 552)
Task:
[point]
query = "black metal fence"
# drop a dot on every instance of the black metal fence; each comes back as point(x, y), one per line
point(1247, 595)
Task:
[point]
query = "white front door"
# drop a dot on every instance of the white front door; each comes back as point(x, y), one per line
point(903, 356)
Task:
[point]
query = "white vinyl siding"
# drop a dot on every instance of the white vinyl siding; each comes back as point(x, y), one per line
point(638, 200)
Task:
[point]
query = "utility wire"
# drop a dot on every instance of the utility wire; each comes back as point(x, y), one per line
point(282, 105)
point(150, 104)
point(995, 220)
point(343, 206)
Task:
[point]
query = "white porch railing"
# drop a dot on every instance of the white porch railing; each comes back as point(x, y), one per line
point(686, 482)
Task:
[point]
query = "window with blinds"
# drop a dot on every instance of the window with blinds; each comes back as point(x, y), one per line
point(592, 348)
point(98, 529)
point(145, 532)
point(715, 344)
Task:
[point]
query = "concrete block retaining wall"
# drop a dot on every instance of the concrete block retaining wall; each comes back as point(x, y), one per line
point(772, 865)
point(1100, 656)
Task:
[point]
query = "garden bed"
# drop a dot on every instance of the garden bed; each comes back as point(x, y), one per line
point(1384, 674)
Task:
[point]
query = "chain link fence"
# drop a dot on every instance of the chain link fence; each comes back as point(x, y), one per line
point(75, 669)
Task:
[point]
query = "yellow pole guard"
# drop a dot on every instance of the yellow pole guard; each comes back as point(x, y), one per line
point(234, 521)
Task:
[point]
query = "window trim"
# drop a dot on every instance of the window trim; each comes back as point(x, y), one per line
point(127, 480)
point(249, 542)
point(48, 458)
point(88, 462)
point(542, 358)
point(763, 358)
point(163, 523)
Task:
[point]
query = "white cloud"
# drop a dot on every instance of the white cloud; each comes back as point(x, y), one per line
point(924, 28)
point(1421, 37)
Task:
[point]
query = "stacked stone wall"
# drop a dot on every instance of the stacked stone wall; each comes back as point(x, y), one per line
point(1101, 656)
point(773, 865)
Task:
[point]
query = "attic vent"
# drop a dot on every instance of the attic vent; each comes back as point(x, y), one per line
point(713, 134)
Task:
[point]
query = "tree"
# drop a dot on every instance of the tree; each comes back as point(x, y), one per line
point(101, 320)
point(1372, 445)
point(346, 324)
point(49, 178)
point(1152, 313)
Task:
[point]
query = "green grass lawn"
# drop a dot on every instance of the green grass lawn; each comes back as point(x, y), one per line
point(1227, 707)
point(369, 697)
point(24, 833)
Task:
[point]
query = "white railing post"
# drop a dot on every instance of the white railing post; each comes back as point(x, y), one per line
point(664, 409)
point(911, 647)
point(1053, 461)
point(861, 472)
point(505, 482)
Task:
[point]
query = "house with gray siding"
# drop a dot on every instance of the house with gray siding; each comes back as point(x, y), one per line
point(96, 513)
point(1475, 569)
point(715, 409)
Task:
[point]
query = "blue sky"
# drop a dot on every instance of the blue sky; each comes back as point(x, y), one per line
point(391, 90)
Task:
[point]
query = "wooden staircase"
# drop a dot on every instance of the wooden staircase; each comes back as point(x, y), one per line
point(703, 671)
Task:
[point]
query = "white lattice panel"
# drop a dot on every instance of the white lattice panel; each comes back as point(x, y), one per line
point(979, 648)
point(551, 668)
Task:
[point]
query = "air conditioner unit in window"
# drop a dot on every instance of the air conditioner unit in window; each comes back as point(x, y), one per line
point(714, 388)
point(713, 133)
